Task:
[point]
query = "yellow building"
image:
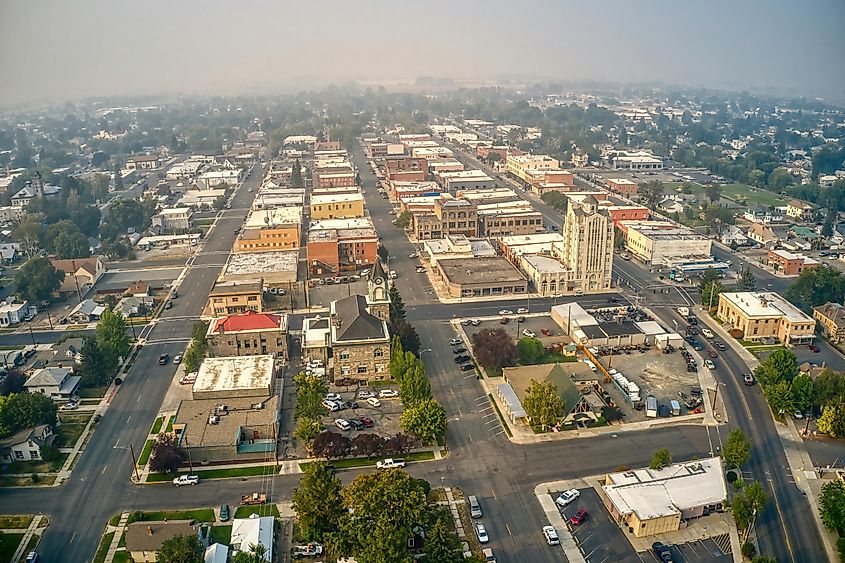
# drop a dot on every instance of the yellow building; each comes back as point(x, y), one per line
point(337, 206)
point(520, 166)
point(761, 315)
point(231, 298)
point(270, 229)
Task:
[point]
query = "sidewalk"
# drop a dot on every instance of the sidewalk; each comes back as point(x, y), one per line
point(20, 552)
point(115, 540)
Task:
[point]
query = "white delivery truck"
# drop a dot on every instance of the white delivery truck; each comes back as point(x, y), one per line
point(651, 406)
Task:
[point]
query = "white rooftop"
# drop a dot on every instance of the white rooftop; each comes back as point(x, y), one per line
point(576, 314)
point(766, 304)
point(650, 328)
point(270, 218)
point(544, 264)
point(274, 261)
point(175, 211)
point(335, 198)
point(354, 223)
point(233, 373)
point(540, 238)
point(653, 493)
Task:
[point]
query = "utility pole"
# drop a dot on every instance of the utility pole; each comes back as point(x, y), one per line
point(134, 462)
point(712, 291)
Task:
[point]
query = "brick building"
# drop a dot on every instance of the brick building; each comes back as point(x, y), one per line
point(449, 217)
point(248, 334)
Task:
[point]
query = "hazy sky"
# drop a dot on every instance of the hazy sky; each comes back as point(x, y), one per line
point(58, 50)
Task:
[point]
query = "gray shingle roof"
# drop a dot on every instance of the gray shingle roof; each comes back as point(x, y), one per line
point(355, 321)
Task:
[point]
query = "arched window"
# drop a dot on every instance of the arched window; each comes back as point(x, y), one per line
point(378, 353)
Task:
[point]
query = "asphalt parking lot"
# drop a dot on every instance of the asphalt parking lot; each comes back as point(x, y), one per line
point(386, 417)
point(322, 295)
point(516, 328)
point(601, 539)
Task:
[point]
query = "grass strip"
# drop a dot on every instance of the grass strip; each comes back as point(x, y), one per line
point(260, 509)
point(145, 453)
point(216, 473)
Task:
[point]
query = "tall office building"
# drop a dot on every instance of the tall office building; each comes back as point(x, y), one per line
point(587, 248)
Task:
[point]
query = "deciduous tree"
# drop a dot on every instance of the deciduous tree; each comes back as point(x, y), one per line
point(832, 420)
point(829, 387)
point(368, 444)
point(37, 279)
point(530, 349)
point(23, 410)
point(494, 349)
point(779, 397)
point(166, 456)
point(543, 404)
point(180, 549)
point(331, 445)
point(66, 240)
point(307, 428)
point(802, 392)
point(425, 420)
point(713, 192)
point(662, 458)
point(441, 544)
point(96, 367)
point(747, 280)
point(737, 450)
point(12, 383)
point(832, 506)
point(415, 386)
point(317, 516)
point(817, 286)
point(112, 335)
point(310, 392)
point(403, 220)
point(407, 335)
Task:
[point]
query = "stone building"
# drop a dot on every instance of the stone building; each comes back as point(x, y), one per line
point(248, 334)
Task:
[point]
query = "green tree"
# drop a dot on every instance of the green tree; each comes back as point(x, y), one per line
point(256, 553)
point(710, 293)
point(530, 349)
point(66, 240)
point(415, 386)
point(37, 279)
point(737, 450)
point(828, 388)
point(397, 304)
point(407, 335)
point(112, 334)
point(780, 179)
point(802, 392)
point(317, 517)
point(425, 420)
point(780, 365)
point(219, 203)
point(832, 420)
point(713, 192)
point(441, 545)
point(403, 221)
point(543, 404)
point(397, 365)
point(23, 410)
point(827, 226)
point(764, 559)
point(195, 354)
point(779, 397)
point(817, 286)
point(296, 180)
point(310, 392)
point(118, 178)
point(662, 458)
point(180, 549)
point(494, 349)
point(381, 511)
point(307, 428)
point(832, 506)
point(29, 232)
point(96, 367)
point(747, 280)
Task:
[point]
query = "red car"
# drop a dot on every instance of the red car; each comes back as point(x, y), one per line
point(579, 517)
point(366, 421)
point(813, 348)
point(712, 354)
point(546, 332)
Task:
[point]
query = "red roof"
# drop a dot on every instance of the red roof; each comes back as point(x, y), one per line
point(247, 321)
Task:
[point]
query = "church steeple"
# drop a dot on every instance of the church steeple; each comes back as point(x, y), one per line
point(378, 297)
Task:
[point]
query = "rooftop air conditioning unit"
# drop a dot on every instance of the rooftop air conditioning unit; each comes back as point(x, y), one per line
point(213, 419)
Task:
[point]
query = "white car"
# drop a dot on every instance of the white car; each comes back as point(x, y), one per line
point(506, 312)
point(707, 333)
point(333, 397)
point(567, 497)
point(332, 406)
point(343, 424)
point(373, 402)
point(412, 255)
point(455, 342)
point(69, 407)
point(364, 394)
point(529, 333)
point(390, 463)
point(388, 394)
point(475, 322)
point(551, 535)
point(709, 364)
point(186, 480)
point(481, 533)
point(522, 310)
point(308, 550)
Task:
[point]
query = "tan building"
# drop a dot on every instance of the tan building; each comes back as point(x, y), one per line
point(509, 219)
point(798, 210)
point(230, 298)
point(248, 334)
point(761, 315)
point(646, 502)
point(547, 275)
point(587, 247)
point(270, 229)
point(519, 166)
point(662, 243)
point(450, 217)
point(480, 277)
point(80, 274)
point(831, 317)
point(339, 206)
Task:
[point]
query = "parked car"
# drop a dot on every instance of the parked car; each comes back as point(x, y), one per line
point(356, 424)
point(813, 348)
point(177, 359)
point(663, 553)
point(332, 406)
point(467, 367)
point(373, 402)
point(475, 322)
point(488, 555)
point(343, 424)
point(504, 321)
point(32, 557)
point(364, 394)
point(551, 535)
point(390, 463)
point(388, 394)
point(481, 533)
point(69, 407)
point(707, 333)
point(720, 345)
point(712, 354)
point(567, 497)
point(522, 310)
point(529, 333)
point(350, 404)
point(366, 421)
point(168, 305)
point(333, 397)
point(709, 364)
point(461, 359)
point(186, 480)
point(455, 342)
point(307, 550)
point(224, 512)
point(506, 312)
point(579, 517)
point(459, 350)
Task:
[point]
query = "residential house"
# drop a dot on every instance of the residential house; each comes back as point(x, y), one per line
point(248, 334)
point(10, 252)
point(26, 444)
point(255, 530)
point(671, 205)
point(56, 382)
point(139, 289)
point(141, 162)
point(764, 215)
point(131, 306)
point(33, 189)
point(80, 274)
point(172, 219)
point(143, 539)
point(12, 313)
point(762, 235)
point(733, 236)
point(798, 210)
point(831, 317)
point(67, 352)
point(87, 311)
point(576, 409)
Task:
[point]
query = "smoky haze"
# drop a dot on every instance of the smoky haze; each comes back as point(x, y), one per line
point(54, 51)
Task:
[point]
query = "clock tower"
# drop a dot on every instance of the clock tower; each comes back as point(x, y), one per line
point(378, 297)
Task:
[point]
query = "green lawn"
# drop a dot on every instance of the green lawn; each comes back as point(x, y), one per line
point(260, 509)
point(222, 534)
point(498, 412)
point(38, 466)
point(33, 541)
point(9, 545)
point(217, 473)
point(365, 462)
point(122, 557)
point(105, 543)
point(157, 425)
point(68, 434)
point(554, 357)
point(122, 542)
point(113, 521)
point(21, 522)
point(170, 424)
point(92, 392)
point(753, 195)
point(145, 453)
point(198, 514)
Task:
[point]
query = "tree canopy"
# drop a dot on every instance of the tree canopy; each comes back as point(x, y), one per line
point(543, 404)
point(180, 549)
point(661, 458)
point(817, 286)
point(426, 420)
point(37, 279)
point(494, 349)
point(316, 517)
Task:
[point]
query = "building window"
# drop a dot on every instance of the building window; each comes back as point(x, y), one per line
point(33, 454)
point(18, 454)
point(252, 298)
point(362, 369)
point(344, 355)
point(378, 353)
point(234, 299)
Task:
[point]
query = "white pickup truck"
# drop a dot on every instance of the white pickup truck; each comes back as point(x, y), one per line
point(390, 463)
point(186, 480)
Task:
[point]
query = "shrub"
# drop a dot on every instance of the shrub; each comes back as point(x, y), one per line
point(748, 549)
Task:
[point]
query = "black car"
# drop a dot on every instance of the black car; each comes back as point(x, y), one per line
point(467, 367)
point(351, 404)
point(663, 553)
point(458, 350)
point(357, 424)
point(163, 359)
point(462, 359)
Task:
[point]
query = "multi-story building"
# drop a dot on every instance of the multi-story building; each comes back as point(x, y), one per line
point(634, 160)
point(248, 334)
point(214, 178)
point(619, 213)
point(587, 247)
point(627, 188)
point(662, 242)
point(270, 229)
point(336, 245)
point(141, 162)
point(518, 166)
point(172, 219)
point(230, 298)
point(788, 263)
point(80, 274)
point(449, 217)
point(509, 219)
point(417, 168)
point(337, 206)
point(323, 179)
point(798, 210)
point(764, 314)
point(34, 189)
point(831, 317)
point(402, 190)
point(465, 180)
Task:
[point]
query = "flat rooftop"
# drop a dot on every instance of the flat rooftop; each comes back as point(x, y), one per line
point(354, 223)
point(544, 264)
point(241, 417)
point(271, 218)
point(335, 198)
point(765, 304)
point(235, 373)
point(231, 288)
point(260, 262)
point(493, 269)
point(663, 230)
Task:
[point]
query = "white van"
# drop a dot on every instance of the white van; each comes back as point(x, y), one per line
point(474, 507)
